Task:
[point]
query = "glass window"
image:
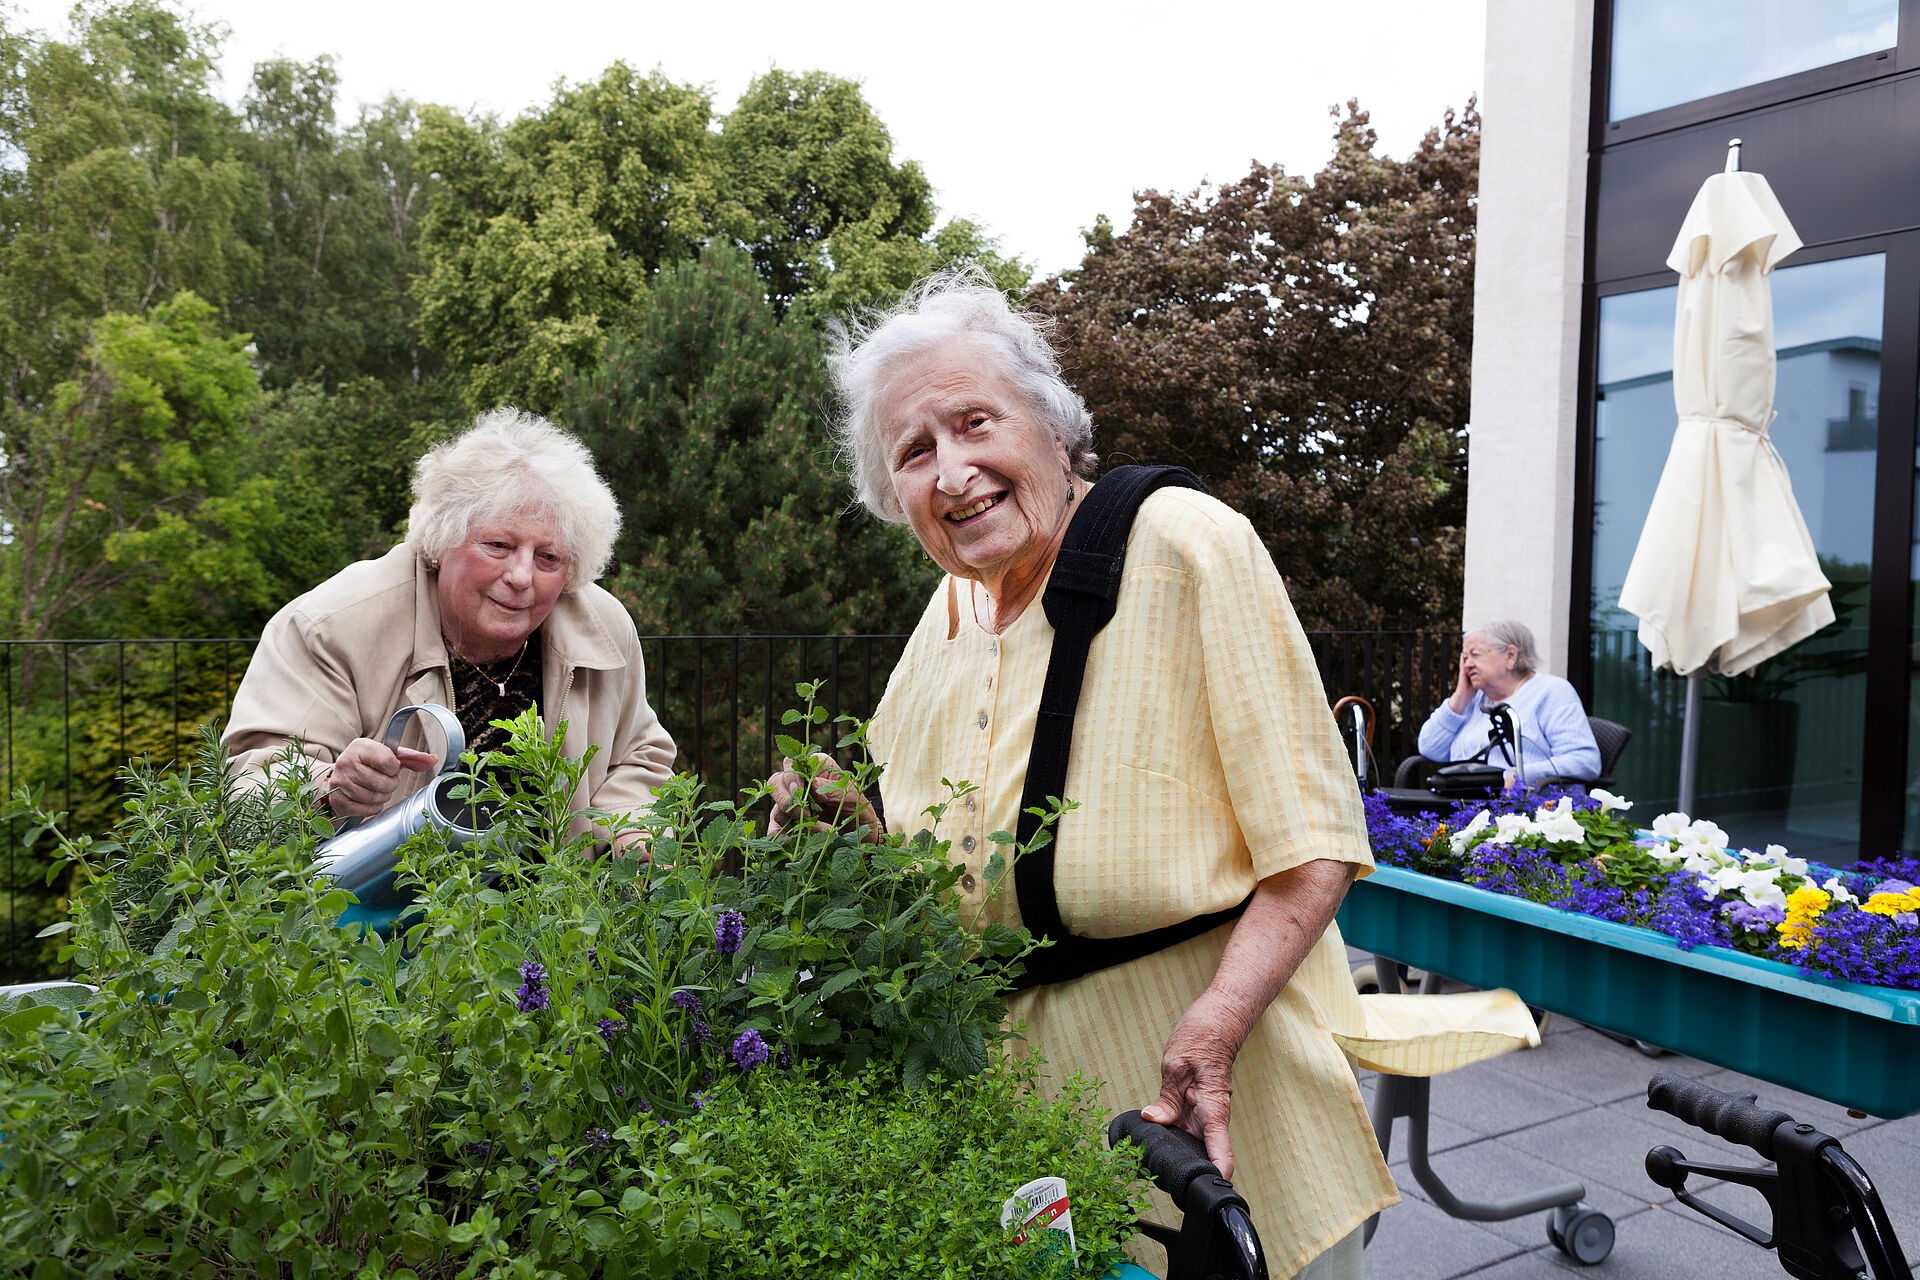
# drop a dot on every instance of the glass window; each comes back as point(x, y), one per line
point(1781, 747)
point(1666, 52)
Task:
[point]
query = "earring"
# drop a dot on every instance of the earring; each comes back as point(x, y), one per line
point(433, 566)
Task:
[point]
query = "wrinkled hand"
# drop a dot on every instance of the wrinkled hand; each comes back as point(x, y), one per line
point(1462, 694)
point(367, 773)
point(833, 800)
point(1196, 1078)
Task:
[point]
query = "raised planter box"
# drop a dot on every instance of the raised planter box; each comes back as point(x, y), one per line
point(1853, 1045)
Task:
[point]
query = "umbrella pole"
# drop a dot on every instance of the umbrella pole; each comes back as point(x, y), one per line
point(1690, 746)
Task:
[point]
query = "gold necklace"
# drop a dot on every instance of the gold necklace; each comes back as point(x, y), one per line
point(498, 683)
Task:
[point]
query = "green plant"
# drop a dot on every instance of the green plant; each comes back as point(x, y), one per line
point(268, 1090)
point(848, 949)
point(513, 1086)
point(848, 1177)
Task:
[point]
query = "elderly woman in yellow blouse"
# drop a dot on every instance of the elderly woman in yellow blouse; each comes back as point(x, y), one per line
point(1204, 762)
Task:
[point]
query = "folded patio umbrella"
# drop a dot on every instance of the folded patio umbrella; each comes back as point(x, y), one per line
point(1725, 574)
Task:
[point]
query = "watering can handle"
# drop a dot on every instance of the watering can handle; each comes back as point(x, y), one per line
point(449, 725)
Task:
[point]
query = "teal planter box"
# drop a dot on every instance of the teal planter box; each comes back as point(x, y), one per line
point(1854, 1045)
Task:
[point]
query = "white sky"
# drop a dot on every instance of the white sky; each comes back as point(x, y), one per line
point(1030, 118)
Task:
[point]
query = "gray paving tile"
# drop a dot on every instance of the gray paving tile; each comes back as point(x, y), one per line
point(1538, 1265)
point(1418, 1242)
point(1490, 1101)
point(1668, 1244)
point(1889, 1161)
point(1586, 1064)
point(1905, 1130)
point(1600, 1146)
point(1442, 1135)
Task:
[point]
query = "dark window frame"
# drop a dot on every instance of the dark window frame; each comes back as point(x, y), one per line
point(1904, 56)
point(1892, 591)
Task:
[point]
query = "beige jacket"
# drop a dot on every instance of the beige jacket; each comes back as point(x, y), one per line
point(337, 662)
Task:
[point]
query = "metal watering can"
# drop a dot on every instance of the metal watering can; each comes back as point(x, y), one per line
point(364, 855)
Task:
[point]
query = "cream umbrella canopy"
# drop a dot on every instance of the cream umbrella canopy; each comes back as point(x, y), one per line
point(1725, 575)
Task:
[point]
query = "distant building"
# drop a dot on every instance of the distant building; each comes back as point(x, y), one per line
point(1601, 119)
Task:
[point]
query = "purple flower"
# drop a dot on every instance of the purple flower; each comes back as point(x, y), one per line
point(699, 1100)
point(1760, 919)
point(688, 1001)
point(729, 932)
point(643, 1106)
point(593, 957)
point(533, 993)
point(619, 1091)
point(749, 1050)
point(702, 1032)
point(599, 1137)
point(785, 1059)
point(609, 1028)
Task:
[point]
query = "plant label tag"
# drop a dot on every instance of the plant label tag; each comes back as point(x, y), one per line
point(1040, 1203)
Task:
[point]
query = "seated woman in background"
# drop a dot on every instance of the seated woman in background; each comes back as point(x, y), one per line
point(1498, 664)
point(489, 607)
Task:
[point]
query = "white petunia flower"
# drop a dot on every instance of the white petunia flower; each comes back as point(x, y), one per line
point(1509, 827)
point(1761, 888)
point(1609, 801)
point(1839, 891)
point(1670, 825)
point(1562, 828)
point(1481, 821)
point(1707, 833)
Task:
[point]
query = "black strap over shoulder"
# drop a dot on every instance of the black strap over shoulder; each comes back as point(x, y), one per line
point(1082, 595)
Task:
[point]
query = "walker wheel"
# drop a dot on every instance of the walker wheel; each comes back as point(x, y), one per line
point(1366, 980)
point(1581, 1232)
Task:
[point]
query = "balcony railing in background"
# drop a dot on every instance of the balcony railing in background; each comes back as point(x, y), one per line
point(77, 710)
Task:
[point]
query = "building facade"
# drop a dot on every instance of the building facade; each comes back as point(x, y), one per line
point(1601, 118)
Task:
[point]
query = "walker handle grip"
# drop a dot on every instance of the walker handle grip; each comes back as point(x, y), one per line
point(1173, 1156)
point(1725, 1115)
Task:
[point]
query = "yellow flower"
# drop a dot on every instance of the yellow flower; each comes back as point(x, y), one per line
point(1804, 906)
point(1892, 904)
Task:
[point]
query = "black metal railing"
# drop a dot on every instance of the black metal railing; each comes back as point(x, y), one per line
point(76, 711)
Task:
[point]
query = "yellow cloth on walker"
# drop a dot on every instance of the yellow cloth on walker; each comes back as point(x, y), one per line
point(1204, 760)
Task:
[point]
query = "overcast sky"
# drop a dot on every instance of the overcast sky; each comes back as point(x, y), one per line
point(1030, 118)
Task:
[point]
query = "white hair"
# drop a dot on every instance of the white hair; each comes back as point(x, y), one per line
point(1506, 633)
point(961, 303)
point(511, 463)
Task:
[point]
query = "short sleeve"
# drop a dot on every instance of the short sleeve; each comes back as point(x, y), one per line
point(1292, 790)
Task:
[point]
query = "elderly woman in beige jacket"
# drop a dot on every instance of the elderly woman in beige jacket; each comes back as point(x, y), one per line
point(488, 607)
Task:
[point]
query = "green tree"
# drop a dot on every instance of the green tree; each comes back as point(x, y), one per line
point(125, 186)
point(336, 234)
point(544, 235)
point(707, 422)
point(1304, 344)
point(130, 476)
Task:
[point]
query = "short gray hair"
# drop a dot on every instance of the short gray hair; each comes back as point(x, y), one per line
point(511, 463)
point(1511, 632)
point(954, 304)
